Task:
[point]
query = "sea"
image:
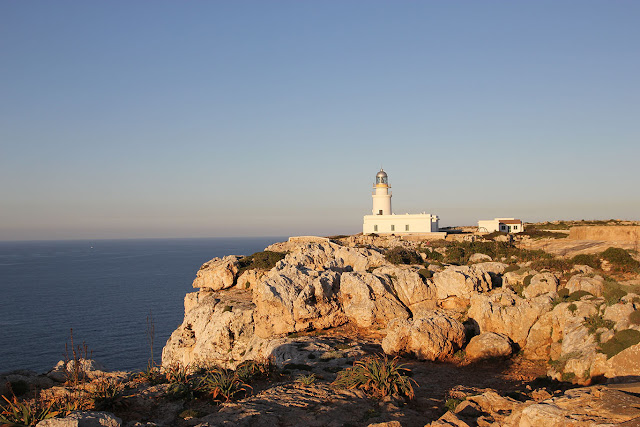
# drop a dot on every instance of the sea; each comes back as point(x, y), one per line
point(109, 296)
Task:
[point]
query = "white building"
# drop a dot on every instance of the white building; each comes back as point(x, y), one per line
point(384, 221)
point(506, 225)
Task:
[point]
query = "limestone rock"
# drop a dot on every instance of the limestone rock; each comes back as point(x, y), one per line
point(619, 314)
point(217, 327)
point(330, 256)
point(477, 257)
point(593, 285)
point(83, 419)
point(367, 300)
point(409, 287)
point(489, 345)
point(219, 273)
point(625, 365)
point(541, 283)
point(432, 336)
point(295, 298)
point(504, 312)
point(249, 279)
point(64, 370)
point(461, 281)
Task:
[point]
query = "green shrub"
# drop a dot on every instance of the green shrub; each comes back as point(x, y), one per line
point(577, 295)
point(620, 341)
point(306, 380)
point(572, 307)
point(613, 291)
point(25, 413)
point(399, 255)
point(432, 254)
point(377, 376)
point(621, 260)
point(591, 260)
point(512, 267)
point(595, 322)
point(249, 370)
point(555, 264)
point(527, 280)
point(543, 234)
point(425, 274)
point(222, 384)
point(264, 260)
point(452, 404)
point(634, 317)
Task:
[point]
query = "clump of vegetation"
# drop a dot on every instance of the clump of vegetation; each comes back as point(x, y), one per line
point(595, 322)
point(613, 291)
point(264, 260)
point(377, 376)
point(572, 308)
point(535, 233)
point(25, 413)
point(620, 341)
point(634, 317)
point(250, 370)
point(591, 260)
point(551, 263)
point(306, 380)
point(493, 235)
point(222, 384)
point(512, 267)
point(425, 274)
point(621, 260)
point(432, 254)
point(400, 255)
point(452, 404)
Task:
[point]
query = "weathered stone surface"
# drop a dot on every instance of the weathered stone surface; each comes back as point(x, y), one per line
point(219, 273)
point(217, 327)
point(432, 336)
point(409, 287)
point(83, 419)
point(625, 366)
point(30, 379)
point(461, 281)
point(488, 345)
point(479, 258)
point(593, 285)
point(249, 279)
point(541, 283)
point(619, 314)
point(330, 256)
point(515, 278)
point(367, 300)
point(504, 312)
point(64, 370)
point(295, 298)
point(580, 407)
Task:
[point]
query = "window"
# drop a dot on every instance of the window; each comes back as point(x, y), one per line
point(393, 227)
point(375, 228)
point(509, 229)
point(380, 212)
point(406, 227)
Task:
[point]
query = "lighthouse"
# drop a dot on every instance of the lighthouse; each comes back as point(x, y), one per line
point(381, 195)
point(384, 221)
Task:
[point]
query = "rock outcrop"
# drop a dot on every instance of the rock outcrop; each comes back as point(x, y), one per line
point(432, 336)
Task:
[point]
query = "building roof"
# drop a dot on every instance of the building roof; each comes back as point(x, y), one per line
point(510, 221)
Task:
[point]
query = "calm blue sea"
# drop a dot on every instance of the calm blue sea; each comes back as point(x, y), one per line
point(104, 290)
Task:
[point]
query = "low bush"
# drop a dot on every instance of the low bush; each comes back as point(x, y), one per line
point(25, 413)
point(222, 384)
point(634, 317)
point(621, 260)
point(543, 234)
point(620, 341)
point(595, 322)
point(399, 255)
point(550, 263)
point(432, 254)
point(591, 260)
point(613, 291)
point(425, 274)
point(264, 260)
point(377, 376)
point(512, 267)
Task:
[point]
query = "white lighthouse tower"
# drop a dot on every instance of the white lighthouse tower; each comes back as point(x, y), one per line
point(381, 195)
point(384, 221)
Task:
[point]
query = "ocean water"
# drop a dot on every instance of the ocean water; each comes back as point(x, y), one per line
point(104, 290)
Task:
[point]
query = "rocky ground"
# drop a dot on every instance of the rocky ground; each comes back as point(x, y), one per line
point(502, 339)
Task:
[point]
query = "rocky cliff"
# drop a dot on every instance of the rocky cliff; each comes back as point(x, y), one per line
point(430, 313)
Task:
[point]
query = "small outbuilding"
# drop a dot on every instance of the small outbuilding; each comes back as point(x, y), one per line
point(505, 225)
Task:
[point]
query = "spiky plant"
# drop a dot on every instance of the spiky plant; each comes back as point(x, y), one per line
point(377, 376)
point(222, 384)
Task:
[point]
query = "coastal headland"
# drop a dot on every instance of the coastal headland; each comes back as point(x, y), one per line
point(465, 331)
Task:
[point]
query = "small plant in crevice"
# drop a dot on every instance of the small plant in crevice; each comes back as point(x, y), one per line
point(452, 404)
point(595, 322)
point(377, 376)
point(222, 385)
point(306, 380)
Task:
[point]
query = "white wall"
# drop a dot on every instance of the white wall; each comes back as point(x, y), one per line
point(419, 223)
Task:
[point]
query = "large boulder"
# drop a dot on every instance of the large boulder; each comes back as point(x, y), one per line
point(502, 311)
point(541, 283)
point(592, 284)
point(461, 281)
point(330, 256)
point(217, 274)
point(489, 345)
point(432, 336)
point(217, 328)
point(295, 298)
point(409, 287)
point(368, 300)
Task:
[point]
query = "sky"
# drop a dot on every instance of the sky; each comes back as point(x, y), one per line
point(135, 119)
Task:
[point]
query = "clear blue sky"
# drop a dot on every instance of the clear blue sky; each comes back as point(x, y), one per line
point(239, 118)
